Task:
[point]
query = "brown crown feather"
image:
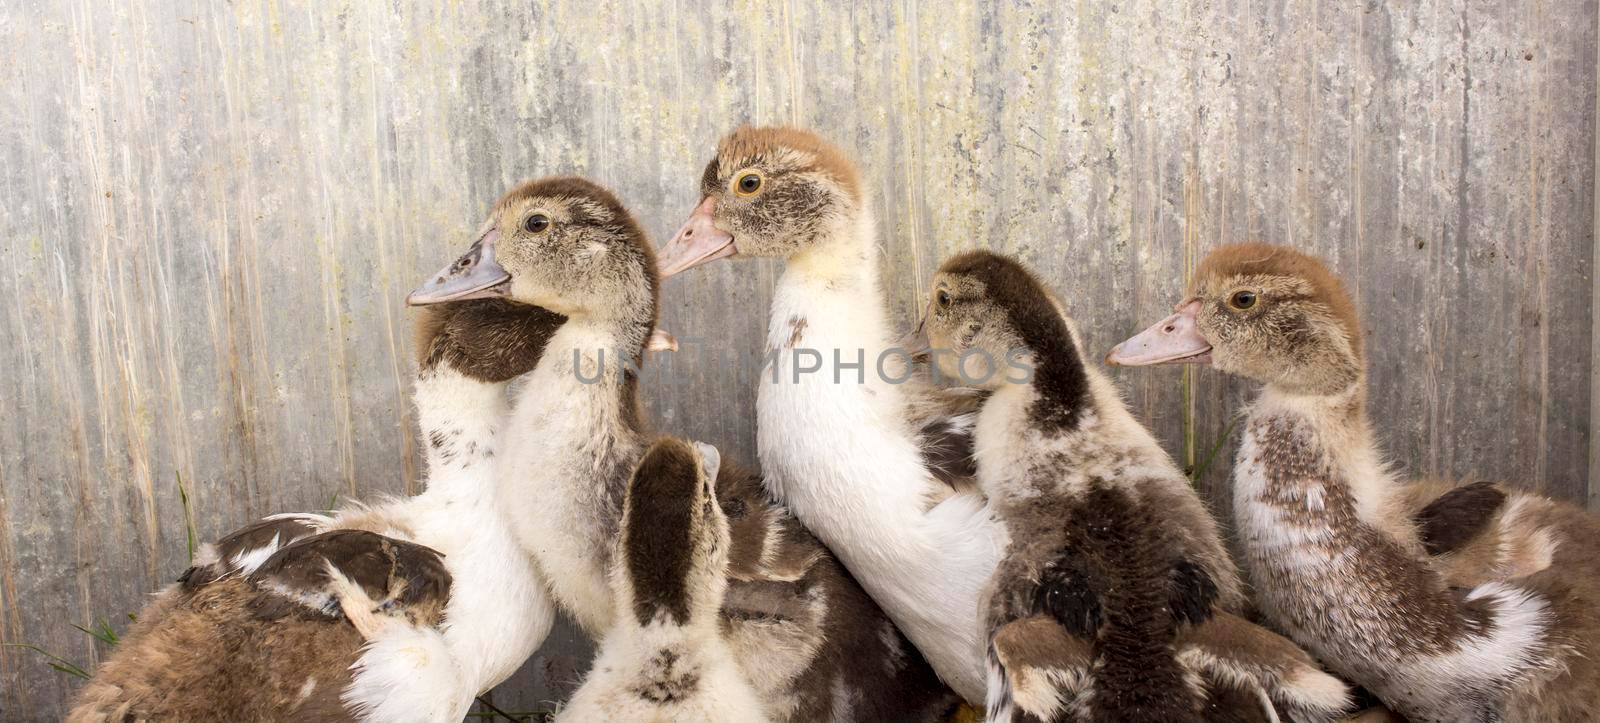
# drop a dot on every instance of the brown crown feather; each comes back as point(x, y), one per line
point(559, 187)
point(1259, 258)
point(748, 142)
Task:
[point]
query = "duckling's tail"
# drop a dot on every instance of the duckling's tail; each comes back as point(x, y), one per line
point(406, 674)
point(1036, 667)
point(1235, 654)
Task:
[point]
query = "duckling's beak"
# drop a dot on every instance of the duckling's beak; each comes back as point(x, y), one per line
point(915, 343)
point(475, 275)
point(710, 460)
point(698, 242)
point(1173, 340)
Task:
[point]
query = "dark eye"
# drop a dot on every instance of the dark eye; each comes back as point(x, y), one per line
point(1242, 300)
point(748, 184)
point(943, 299)
point(536, 223)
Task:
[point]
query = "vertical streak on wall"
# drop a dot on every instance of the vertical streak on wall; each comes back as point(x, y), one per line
point(10, 604)
point(908, 30)
point(1535, 294)
point(1594, 278)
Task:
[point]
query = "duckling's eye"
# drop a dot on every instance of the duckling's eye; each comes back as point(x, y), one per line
point(537, 223)
point(1242, 300)
point(943, 299)
point(747, 184)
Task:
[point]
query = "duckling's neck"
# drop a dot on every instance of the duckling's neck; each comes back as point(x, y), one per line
point(582, 402)
point(498, 604)
point(845, 255)
point(641, 608)
point(576, 434)
point(599, 359)
point(461, 420)
point(1332, 429)
point(827, 330)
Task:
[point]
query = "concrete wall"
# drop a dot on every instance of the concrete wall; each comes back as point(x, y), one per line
point(210, 212)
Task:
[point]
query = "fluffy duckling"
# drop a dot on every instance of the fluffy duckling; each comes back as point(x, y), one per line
point(810, 642)
point(1107, 535)
point(1497, 625)
point(845, 448)
point(666, 659)
point(399, 611)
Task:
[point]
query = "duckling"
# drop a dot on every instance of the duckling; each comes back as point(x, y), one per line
point(1477, 605)
point(810, 642)
point(1107, 535)
point(843, 449)
point(399, 611)
point(666, 659)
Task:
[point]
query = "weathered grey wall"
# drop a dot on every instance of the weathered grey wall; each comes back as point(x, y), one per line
point(209, 215)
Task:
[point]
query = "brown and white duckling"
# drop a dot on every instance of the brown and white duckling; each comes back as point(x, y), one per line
point(665, 659)
point(1107, 535)
point(812, 644)
point(1499, 625)
point(398, 611)
point(844, 447)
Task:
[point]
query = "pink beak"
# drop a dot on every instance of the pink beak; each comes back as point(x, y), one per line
point(698, 242)
point(1173, 340)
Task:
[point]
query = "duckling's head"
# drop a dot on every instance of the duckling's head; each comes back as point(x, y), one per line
point(562, 243)
point(768, 192)
point(1266, 312)
point(491, 340)
point(990, 322)
point(675, 537)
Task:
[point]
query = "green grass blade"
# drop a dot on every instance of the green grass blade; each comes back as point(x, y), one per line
point(102, 631)
point(1211, 456)
point(57, 662)
point(188, 514)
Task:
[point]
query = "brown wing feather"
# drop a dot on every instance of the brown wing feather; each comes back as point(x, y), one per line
point(399, 576)
point(944, 419)
point(1457, 516)
point(270, 534)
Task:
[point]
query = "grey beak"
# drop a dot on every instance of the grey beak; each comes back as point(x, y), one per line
point(710, 459)
point(476, 275)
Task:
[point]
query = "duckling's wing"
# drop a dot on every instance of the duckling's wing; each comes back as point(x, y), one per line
point(1037, 670)
point(1454, 518)
point(944, 419)
point(1233, 653)
point(360, 575)
point(244, 549)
